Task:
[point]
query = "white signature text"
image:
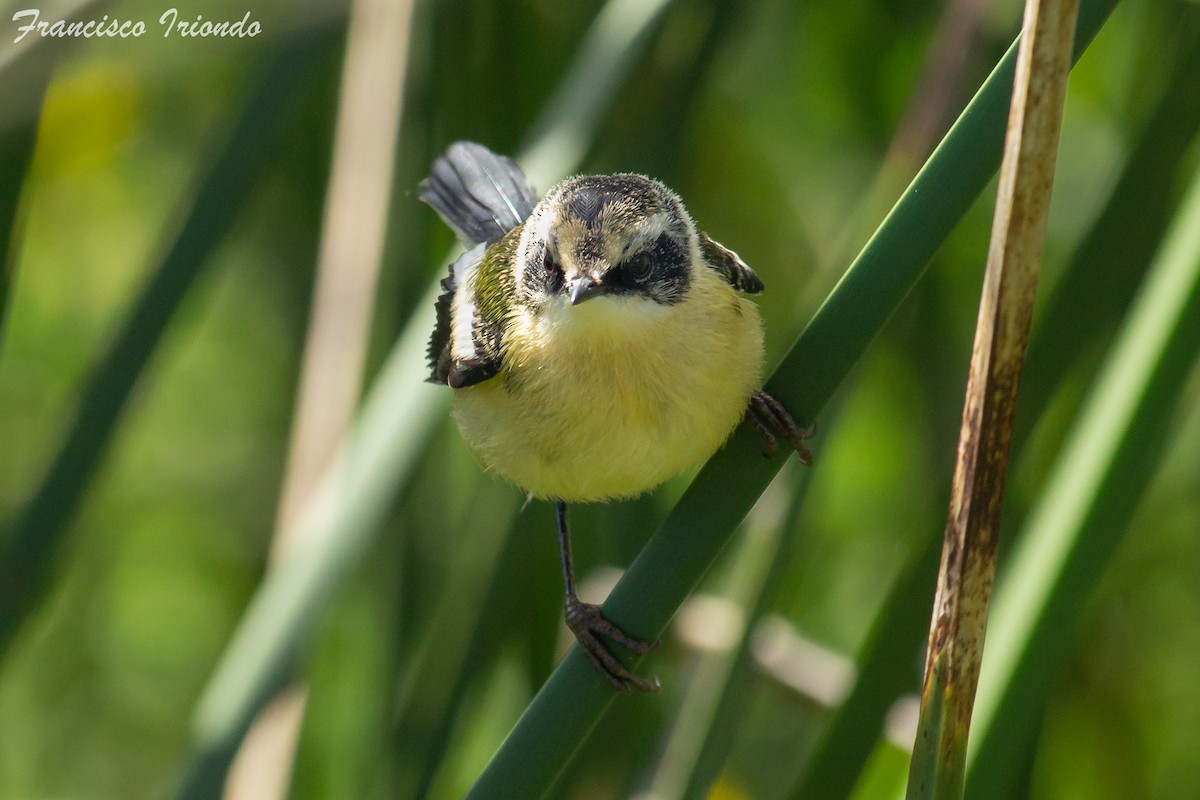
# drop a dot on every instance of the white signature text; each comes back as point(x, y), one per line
point(170, 23)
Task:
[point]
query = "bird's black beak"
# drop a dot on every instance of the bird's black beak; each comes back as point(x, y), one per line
point(583, 288)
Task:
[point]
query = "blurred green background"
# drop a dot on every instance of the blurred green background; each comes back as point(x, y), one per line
point(789, 129)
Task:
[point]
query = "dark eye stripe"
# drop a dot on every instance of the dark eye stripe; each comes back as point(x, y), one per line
point(659, 271)
point(669, 277)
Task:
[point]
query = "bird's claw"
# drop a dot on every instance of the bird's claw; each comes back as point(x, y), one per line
point(588, 624)
point(768, 416)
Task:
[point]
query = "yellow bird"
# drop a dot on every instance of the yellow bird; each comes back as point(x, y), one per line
point(597, 344)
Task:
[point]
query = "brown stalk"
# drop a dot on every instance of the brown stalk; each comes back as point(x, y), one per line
point(1014, 257)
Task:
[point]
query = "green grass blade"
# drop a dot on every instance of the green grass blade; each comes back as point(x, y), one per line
point(846, 743)
point(351, 499)
point(25, 72)
point(694, 749)
point(567, 125)
point(22, 88)
point(935, 771)
point(1081, 311)
point(837, 760)
point(29, 551)
point(1106, 465)
point(684, 548)
point(441, 666)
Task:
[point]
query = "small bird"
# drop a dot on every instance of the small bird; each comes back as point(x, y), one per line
point(597, 344)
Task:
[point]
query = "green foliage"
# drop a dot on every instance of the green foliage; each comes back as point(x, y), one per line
point(147, 428)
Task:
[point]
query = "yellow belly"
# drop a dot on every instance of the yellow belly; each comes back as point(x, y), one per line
point(612, 397)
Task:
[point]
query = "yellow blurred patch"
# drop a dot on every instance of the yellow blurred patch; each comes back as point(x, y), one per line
point(725, 789)
point(89, 115)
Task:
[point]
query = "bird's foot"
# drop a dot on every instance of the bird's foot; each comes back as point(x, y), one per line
point(768, 416)
point(588, 624)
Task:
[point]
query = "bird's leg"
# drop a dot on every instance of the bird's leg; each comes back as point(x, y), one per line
point(588, 624)
point(768, 416)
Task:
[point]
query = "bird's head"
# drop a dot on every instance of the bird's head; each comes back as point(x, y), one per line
point(622, 237)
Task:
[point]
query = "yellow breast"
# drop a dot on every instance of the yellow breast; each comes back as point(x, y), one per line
point(612, 397)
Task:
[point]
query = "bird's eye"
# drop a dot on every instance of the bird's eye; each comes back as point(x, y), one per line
point(554, 273)
point(637, 267)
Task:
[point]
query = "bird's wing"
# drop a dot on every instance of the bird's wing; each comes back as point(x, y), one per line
point(466, 346)
point(479, 194)
point(438, 352)
point(455, 358)
point(729, 266)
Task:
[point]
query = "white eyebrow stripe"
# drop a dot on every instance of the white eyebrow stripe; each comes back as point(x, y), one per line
point(649, 230)
point(537, 229)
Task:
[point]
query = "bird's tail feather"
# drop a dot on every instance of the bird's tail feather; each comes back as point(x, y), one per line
point(479, 194)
